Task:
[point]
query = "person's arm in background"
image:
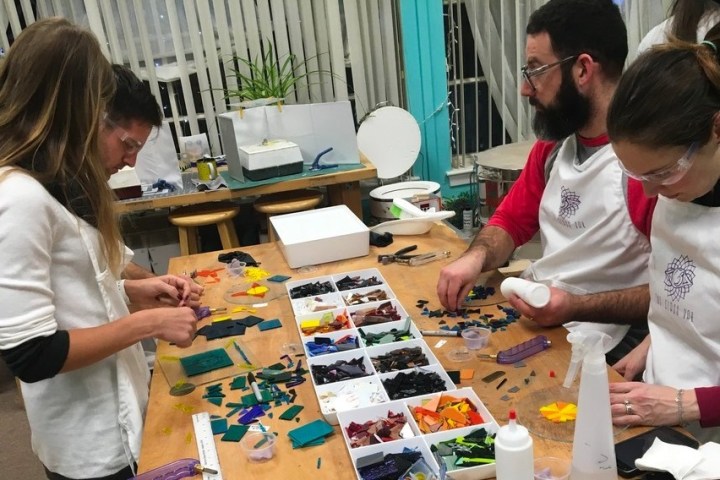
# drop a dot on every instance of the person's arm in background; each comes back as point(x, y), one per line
point(514, 223)
point(628, 306)
point(151, 294)
point(133, 271)
point(633, 364)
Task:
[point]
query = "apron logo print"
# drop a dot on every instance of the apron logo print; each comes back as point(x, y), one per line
point(679, 276)
point(569, 203)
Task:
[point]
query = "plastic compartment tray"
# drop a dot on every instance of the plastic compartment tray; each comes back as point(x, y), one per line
point(339, 356)
point(364, 412)
point(375, 412)
point(449, 385)
point(346, 294)
point(334, 336)
point(386, 327)
point(347, 387)
point(297, 283)
point(389, 347)
point(299, 319)
point(363, 274)
point(302, 306)
point(354, 309)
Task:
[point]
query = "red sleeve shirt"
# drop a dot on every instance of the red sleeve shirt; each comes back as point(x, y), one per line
point(519, 212)
point(708, 399)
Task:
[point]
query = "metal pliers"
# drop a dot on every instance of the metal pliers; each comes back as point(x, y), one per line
point(399, 256)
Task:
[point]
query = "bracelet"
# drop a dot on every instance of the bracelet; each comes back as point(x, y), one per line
point(678, 402)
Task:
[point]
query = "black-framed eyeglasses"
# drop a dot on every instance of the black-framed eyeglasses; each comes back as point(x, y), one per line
point(528, 72)
point(131, 145)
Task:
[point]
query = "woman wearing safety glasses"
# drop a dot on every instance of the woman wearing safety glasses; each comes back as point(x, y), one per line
point(664, 124)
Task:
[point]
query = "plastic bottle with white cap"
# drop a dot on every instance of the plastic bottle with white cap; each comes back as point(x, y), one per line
point(534, 294)
point(513, 451)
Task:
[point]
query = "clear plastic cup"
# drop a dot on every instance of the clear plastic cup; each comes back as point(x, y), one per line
point(235, 268)
point(551, 468)
point(259, 446)
point(476, 337)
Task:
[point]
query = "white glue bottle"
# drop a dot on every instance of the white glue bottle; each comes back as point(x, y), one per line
point(534, 294)
point(513, 451)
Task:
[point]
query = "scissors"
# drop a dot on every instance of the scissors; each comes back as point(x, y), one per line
point(400, 256)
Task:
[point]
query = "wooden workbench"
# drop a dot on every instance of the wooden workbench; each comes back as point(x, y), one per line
point(167, 436)
point(343, 188)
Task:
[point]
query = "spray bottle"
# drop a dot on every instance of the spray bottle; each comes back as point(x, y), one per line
point(593, 447)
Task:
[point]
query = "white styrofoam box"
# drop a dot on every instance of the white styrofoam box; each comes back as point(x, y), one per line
point(394, 447)
point(334, 336)
point(437, 368)
point(320, 236)
point(373, 413)
point(349, 388)
point(362, 274)
point(331, 358)
point(354, 309)
point(386, 327)
point(304, 306)
point(378, 350)
point(123, 178)
point(273, 153)
point(299, 283)
point(365, 290)
point(466, 392)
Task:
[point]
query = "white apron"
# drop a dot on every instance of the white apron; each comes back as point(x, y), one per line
point(589, 242)
point(88, 422)
point(132, 372)
point(685, 300)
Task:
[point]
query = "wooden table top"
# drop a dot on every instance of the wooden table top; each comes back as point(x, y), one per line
point(168, 434)
point(331, 178)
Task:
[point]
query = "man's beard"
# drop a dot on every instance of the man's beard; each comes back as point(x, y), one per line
point(568, 113)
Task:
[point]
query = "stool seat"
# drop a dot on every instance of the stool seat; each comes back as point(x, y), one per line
point(286, 202)
point(187, 219)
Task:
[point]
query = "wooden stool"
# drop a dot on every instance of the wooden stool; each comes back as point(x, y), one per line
point(187, 219)
point(286, 202)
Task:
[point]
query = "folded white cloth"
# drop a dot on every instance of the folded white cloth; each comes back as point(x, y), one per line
point(683, 462)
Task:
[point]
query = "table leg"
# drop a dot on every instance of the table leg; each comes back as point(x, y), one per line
point(346, 194)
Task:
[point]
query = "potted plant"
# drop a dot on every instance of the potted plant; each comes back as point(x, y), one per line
point(269, 81)
point(463, 205)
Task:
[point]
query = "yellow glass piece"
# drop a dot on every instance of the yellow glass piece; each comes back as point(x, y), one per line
point(166, 431)
point(255, 273)
point(559, 412)
point(259, 290)
point(309, 324)
point(222, 319)
point(170, 358)
point(243, 308)
point(188, 438)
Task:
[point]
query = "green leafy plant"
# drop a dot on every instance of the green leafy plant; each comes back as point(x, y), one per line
point(268, 78)
point(458, 204)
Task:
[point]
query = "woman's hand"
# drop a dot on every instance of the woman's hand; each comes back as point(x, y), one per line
point(165, 290)
point(174, 325)
point(637, 403)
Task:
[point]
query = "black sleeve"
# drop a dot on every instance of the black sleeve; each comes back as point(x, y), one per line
point(39, 358)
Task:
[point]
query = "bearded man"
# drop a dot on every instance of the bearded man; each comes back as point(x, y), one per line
point(593, 220)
